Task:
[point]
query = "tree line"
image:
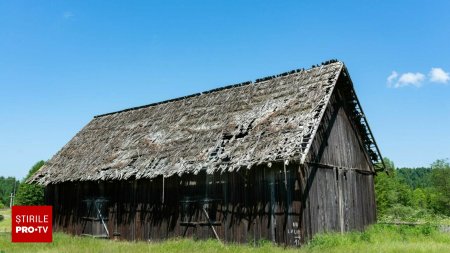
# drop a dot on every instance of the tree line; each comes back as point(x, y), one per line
point(8, 185)
point(413, 193)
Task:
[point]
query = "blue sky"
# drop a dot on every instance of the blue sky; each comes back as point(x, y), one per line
point(62, 62)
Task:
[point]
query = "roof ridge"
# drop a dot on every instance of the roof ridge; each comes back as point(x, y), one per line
point(258, 80)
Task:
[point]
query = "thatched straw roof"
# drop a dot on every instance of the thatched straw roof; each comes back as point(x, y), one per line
point(224, 129)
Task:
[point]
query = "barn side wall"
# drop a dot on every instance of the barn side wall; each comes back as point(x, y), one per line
point(242, 207)
point(339, 189)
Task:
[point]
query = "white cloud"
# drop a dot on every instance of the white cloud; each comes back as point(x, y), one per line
point(410, 78)
point(438, 75)
point(391, 78)
point(68, 15)
point(397, 80)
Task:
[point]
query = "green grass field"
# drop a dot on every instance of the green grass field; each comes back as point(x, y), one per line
point(377, 238)
point(5, 225)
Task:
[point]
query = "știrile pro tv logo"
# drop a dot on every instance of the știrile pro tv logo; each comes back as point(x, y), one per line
point(31, 224)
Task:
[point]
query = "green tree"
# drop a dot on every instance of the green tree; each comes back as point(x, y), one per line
point(385, 188)
point(7, 186)
point(30, 194)
point(415, 177)
point(440, 177)
point(396, 199)
point(419, 198)
point(413, 193)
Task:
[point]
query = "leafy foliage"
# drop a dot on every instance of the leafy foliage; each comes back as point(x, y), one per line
point(6, 188)
point(415, 177)
point(412, 194)
point(441, 182)
point(30, 194)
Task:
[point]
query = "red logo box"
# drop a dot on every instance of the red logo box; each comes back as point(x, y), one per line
point(31, 224)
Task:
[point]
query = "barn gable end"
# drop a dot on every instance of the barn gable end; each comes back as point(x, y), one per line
point(337, 167)
point(338, 142)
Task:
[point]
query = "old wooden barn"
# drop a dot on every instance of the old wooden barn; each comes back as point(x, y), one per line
point(281, 159)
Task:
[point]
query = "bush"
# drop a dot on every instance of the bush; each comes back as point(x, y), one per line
point(30, 194)
point(428, 229)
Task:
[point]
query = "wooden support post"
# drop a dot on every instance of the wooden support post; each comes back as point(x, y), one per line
point(340, 201)
point(286, 204)
point(272, 205)
point(163, 190)
point(285, 176)
point(11, 197)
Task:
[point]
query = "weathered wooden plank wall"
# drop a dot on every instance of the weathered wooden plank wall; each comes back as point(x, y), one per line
point(338, 200)
point(339, 191)
point(248, 205)
point(252, 205)
point(337, 141)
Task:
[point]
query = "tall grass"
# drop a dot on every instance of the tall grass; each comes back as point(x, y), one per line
point(65, 243)
point(384, 238)
point(377, 238)
point(5, 224)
